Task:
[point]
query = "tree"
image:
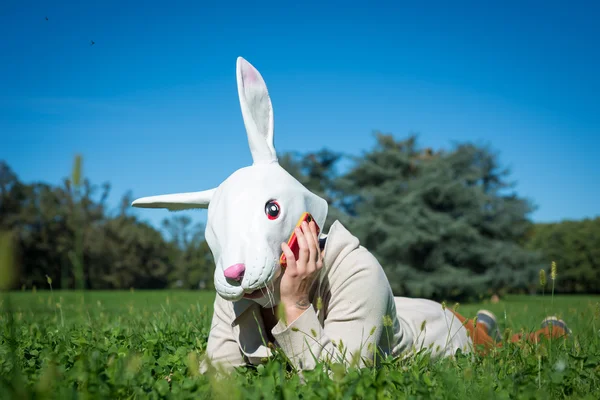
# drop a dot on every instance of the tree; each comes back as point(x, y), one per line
point(12, 195)
point(118, 252)
point(196, 268)
point(194, 264)
point(128, 253)
point(318, 172)
point(443, 224)
point(575, 247)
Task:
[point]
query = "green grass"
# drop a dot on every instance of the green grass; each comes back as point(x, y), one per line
point(147, 345)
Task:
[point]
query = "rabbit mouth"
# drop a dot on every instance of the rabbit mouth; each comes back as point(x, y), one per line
point(267, 289)
point(259, 292)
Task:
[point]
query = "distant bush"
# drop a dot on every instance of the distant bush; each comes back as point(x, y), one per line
point(575, 247)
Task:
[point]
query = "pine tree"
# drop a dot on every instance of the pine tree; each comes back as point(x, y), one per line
point(443, 224)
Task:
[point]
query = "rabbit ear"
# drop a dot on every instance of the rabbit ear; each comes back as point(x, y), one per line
point(176, 201)
point(257, 112)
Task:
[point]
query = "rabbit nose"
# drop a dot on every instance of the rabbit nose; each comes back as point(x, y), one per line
point(235, 272)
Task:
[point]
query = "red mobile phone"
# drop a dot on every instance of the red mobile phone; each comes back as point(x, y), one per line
point(293, 240)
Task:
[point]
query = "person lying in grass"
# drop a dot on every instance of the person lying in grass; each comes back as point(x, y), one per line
point(331, 302)
point(334, 303)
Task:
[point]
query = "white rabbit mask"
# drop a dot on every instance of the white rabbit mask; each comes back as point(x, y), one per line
point(255, 209)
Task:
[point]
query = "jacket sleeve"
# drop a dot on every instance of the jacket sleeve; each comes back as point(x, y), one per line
point(222, 350)
point(352, 328)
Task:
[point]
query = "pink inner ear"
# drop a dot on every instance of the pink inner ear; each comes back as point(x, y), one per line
point(249, 74)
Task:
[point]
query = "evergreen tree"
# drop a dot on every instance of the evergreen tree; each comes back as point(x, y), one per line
point(443, 224)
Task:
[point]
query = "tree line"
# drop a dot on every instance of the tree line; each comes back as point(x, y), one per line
point(445, 224)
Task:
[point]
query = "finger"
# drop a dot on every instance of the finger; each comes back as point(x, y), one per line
point(289, 258)
point(303, 252)
point(313, 229)
point(315, 233)
point(312, 248)
point(319, 263)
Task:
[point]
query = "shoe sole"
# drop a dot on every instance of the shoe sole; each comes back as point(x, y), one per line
point(489, 320)
point(555, 322)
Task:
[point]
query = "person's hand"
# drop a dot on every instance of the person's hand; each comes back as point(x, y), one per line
point(300, 274)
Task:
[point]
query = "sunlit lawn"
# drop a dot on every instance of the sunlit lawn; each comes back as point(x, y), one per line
point(146, 344)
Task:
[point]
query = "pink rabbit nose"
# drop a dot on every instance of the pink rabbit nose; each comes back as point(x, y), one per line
point(235, 272)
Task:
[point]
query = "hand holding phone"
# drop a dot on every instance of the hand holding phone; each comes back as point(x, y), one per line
point(293, 240)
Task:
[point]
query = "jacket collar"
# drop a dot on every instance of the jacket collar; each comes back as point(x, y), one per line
point(340, 243)
point(249, 330)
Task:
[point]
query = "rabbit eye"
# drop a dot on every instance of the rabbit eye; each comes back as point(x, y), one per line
point(272, 209)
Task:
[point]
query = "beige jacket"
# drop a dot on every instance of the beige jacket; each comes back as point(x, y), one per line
point(357, 315)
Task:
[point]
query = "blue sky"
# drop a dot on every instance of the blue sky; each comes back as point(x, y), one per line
point(153, 108)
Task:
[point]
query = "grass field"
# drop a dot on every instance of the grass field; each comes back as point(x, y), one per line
point(147, 345)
